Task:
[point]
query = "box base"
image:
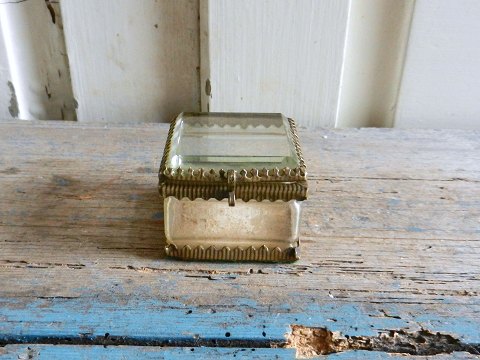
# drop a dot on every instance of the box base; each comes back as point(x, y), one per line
point(249, 231)
point(262, 254)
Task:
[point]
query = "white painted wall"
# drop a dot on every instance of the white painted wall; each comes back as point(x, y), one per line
point(441, 78)
point(35, 56)
point(333, 63)
point(377, 36)
point(274, 56)
point(8, 106)
point(141, 60)
point(133, 60)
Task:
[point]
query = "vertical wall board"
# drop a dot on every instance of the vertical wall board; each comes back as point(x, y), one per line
point(8, 99)
point(377, 38)
point(133, 60)
point(276, 56)
point(34, 48)
point(441, 77)
point(204, 55)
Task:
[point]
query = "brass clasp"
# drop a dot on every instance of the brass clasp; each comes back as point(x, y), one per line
point(231, 181)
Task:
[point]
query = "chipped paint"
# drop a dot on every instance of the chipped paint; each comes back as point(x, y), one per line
point(35, 48)
point(13, 108)
point(208, 88)
point(311, 342)
point(61, 352)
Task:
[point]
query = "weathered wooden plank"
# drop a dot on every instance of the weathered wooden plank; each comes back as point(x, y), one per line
point(376, 355)
point(49, 352)
point(61, 352)
point(391, 241)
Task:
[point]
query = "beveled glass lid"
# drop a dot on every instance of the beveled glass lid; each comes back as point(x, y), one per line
point(244, 155)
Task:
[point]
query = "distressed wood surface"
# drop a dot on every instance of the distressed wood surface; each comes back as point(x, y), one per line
point(390, 246)
point(81, 352)
point(62, 352)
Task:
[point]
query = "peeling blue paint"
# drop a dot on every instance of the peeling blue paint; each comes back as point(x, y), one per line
point(61, 181)
point(161, 319)
point(415, 229)
point(459, 327)
point(158, 216)
point(393, 202)
point(62, 352)
point(135, 197)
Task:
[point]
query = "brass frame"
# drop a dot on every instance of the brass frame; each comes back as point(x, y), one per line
point(262, 253)
point(254, 184)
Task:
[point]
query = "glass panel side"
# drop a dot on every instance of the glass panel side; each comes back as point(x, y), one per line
point(214, 223)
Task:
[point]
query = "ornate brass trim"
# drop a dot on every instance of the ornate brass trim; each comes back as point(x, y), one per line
point(245, 191)
point(253, 175)
point(168, 145)
point(259, 184)
point(226, 253)
point(296, 143)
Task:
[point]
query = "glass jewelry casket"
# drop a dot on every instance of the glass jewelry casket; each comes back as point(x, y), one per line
point(232, 185)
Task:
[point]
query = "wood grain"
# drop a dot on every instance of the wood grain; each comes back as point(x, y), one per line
point(391, 241)
point(61, 352)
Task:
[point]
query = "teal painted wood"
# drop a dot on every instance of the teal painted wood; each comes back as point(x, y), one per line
point(157, 321)
point(76, 352)
point(390, 242)
point(59, 352)
point(378, 355)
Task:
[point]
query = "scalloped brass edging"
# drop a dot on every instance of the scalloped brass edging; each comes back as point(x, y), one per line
point(263, 253)
point(296, 143)
point(244, 175)
point(246, 192)
point(259, 184)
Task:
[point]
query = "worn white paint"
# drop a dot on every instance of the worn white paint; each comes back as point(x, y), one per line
point(204, 55)
point(7, 97)
point(325, 63)
point(441, 80)
point(377, 37)
point(37, 65)
point(276, 56)
point(133, 60)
